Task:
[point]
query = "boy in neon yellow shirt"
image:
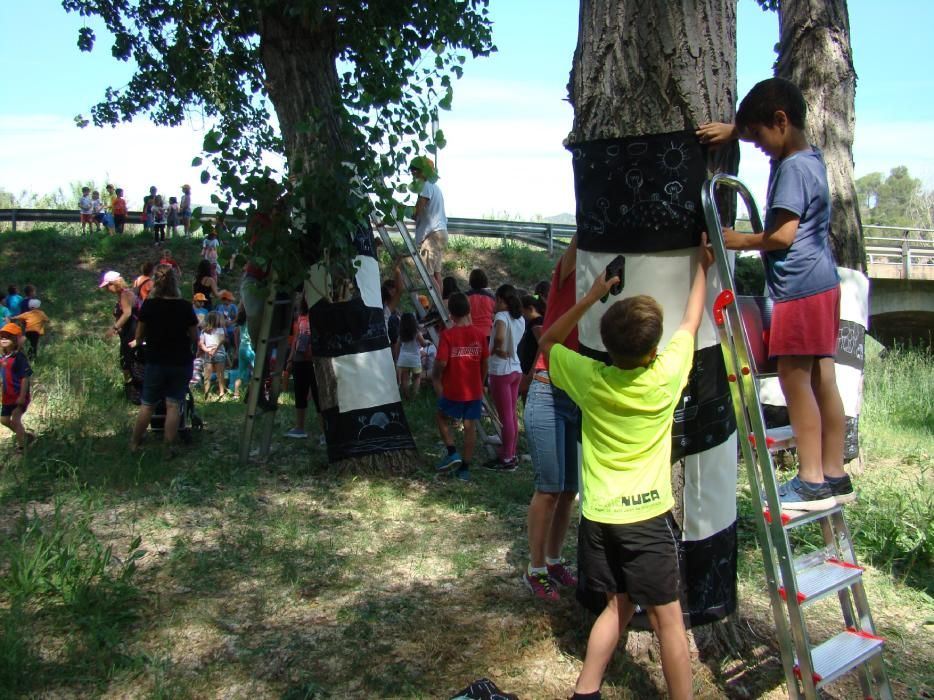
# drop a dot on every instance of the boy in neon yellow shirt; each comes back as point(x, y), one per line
point(627, 545)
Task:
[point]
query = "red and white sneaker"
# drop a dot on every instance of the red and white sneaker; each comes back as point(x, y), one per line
point(541, 586)
point(562, 575)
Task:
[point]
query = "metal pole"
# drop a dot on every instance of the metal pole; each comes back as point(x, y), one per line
point(13, 219)
point(550, 233)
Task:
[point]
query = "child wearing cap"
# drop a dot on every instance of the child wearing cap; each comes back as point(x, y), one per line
point(199, 302)
point(14, 373)
point(35, 320)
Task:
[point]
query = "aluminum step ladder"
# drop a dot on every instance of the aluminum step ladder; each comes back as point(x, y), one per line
point(794, 582)
point(424, 284)
point(262, 398)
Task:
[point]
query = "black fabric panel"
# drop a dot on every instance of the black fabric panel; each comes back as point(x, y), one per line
point(346, 328)
point(366, 431)
point(639, 194)
point(851, 345)
point(708, 576)
point(364, 241)
point(705, 417)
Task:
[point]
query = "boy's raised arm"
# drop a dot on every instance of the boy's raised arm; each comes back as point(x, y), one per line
point(694, 309)
point(565, 323)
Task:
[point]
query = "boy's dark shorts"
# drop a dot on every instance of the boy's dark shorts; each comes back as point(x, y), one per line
point(640, 559)
point(7, 410)
point(460, 410)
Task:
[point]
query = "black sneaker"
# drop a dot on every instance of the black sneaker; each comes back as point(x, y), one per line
point(797, 495)
point(509, 465)
point(842, 489)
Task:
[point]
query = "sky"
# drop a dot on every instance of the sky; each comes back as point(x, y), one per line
point(504, 157)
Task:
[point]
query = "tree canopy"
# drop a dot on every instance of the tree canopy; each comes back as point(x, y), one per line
point(344, 90)
point(896, 199)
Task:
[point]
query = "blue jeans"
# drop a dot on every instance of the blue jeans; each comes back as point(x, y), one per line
point(552, 430)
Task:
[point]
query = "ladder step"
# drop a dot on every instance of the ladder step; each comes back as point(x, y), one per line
point(795, 518)
point(842, 653)
point(827, 577)
point(776, 439)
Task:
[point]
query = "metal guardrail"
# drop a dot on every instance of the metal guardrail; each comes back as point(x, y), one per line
point(899, 247)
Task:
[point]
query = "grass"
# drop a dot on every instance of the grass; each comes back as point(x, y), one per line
point(125, 576)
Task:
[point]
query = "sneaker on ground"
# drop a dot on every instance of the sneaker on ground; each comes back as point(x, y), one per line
point(296, 433)
point(448, 462)
point(842, 490)
point(495, 465)
point(562, 574)
point(463, 474)
point(796, 495)
point(540, 585)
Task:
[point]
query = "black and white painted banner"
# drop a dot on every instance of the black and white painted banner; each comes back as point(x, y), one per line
point(640, 196)
point(848, 362)
point(356, 376)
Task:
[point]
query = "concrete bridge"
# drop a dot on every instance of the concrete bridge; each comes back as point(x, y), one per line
point(900, 264)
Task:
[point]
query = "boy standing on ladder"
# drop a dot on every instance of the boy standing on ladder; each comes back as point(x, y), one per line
point(431, 223)
point(803, 281)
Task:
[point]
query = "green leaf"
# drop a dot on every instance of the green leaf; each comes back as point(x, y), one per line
point(196, 161)
point(205, 177)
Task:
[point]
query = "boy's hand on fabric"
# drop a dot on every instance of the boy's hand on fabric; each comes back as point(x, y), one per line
point(716, 133)
point(706, 252)
point(601, 287)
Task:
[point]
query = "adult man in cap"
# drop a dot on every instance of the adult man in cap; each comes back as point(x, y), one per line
point(431, 222)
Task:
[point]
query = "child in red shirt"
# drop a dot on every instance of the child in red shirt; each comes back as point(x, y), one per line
point(459, 373)
point(15, 376)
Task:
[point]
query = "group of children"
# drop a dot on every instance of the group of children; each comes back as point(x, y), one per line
point(22, 325)
point(110, 211)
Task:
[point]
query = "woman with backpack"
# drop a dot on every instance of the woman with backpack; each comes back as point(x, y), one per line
point(126, 313)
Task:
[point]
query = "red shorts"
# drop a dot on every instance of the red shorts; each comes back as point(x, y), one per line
point(806, 326)
point(87, 218)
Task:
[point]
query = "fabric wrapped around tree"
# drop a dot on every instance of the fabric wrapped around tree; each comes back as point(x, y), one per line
point(356, 376)
point(640, 196)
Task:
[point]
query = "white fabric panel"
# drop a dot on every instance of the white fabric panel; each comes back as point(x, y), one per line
point(854, 296)
point(368, 281)
point(317, 284)
point(709, 491)
point(365, 380)
point(665, 276)
point(850, 385)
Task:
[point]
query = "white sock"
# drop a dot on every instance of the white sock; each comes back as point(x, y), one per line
point(552, 562)
point(533, 570)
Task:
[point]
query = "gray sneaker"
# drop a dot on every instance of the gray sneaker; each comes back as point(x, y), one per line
point(796, 495)
point(842, 489)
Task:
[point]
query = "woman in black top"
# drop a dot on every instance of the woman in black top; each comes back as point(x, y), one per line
point(533, 310)
point(167, 331)
point(205, 283)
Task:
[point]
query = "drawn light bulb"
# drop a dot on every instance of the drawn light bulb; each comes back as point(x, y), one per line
point(673, 189)
point(634, 181)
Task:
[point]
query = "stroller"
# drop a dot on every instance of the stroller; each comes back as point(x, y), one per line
point(188, 420)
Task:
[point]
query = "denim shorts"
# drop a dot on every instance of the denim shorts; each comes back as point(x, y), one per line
point(553, 430)
point(169, 382)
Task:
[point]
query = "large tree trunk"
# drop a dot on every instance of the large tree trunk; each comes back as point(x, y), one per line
point(815, 54)
point(364, 421)
point(645, 68)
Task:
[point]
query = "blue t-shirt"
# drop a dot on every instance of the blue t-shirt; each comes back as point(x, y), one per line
point(5, 313)
point(13, 302)
point(799, 184)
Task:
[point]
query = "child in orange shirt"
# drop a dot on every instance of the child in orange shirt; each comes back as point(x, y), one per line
point(35, 321)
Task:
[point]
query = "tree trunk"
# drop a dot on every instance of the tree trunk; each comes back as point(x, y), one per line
point(364, 435)
point(645, 68)
point(815, 54)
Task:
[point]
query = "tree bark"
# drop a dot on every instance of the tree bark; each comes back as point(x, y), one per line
point(815, 54)
point(654, 67)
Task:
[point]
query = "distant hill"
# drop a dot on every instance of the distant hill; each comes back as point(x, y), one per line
point(567, 219)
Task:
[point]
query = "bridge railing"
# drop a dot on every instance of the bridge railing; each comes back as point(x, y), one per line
point(891, 251)
point(894, 252)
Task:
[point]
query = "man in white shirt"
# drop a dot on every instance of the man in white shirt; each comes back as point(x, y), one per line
point(431, 223)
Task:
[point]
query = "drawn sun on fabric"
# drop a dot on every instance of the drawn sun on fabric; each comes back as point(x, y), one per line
point(638, 193)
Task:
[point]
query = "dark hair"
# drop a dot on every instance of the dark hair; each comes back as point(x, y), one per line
point(29, 290)
point(241, 315)
point(2, 295)
point(12, 289)
point(478, 279)
point(537, 303)
point(448, 286)
point(173, 200)
point(203, 269)
point(510, 297)
point(631, 328)
point(458, 305)
point(119, 191)
point(408, 327)
point(147, 267)
point(165, 283)
point(543, 289)
point(765, 99)
point(386, 290)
